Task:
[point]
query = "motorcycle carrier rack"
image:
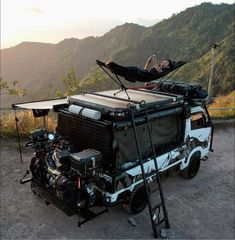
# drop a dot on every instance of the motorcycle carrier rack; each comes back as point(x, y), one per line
point(84, 215)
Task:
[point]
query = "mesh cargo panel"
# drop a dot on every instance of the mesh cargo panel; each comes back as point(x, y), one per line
point(85, 133)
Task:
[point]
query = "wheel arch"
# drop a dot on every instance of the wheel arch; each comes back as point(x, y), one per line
point(196, 152)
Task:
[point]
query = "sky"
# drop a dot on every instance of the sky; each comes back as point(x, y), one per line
point(52, 21)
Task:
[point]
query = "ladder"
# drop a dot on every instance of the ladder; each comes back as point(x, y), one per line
point(155, 220)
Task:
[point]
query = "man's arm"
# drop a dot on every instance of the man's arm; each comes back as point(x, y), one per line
point(157, 65)
point(147, 64)
point(152, 62)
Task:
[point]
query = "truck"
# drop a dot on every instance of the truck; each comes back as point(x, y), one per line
point(109, 147)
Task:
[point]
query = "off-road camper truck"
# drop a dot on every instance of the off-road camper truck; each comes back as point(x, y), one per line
point(109, 147)
point(99, 150)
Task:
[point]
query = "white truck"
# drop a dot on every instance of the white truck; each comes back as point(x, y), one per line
point(109, 146)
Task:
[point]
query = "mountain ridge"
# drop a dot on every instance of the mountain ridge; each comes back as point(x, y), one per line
point(184, 36)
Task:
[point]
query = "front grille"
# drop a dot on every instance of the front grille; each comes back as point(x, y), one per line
point(85, 133)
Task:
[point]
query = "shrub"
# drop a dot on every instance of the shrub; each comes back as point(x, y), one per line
point(223, 107)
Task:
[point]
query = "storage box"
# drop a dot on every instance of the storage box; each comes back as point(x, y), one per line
point(85, 161)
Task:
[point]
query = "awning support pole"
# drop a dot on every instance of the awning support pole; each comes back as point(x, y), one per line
point(18, 136)
point(44, 122)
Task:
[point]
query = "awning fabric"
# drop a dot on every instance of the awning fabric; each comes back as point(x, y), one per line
point(45, 104)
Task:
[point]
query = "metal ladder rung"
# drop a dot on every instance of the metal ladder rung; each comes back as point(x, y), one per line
point(154, 190)
point(157, 206)
point(152, 210)
point(160, 222)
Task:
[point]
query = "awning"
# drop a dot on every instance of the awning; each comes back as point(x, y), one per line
point(45, 104)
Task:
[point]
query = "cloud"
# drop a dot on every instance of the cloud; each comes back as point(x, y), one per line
point(35, 10)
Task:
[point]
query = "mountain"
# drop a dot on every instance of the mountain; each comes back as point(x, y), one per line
point(35, 65)
point(185, 36)
point(189, 36)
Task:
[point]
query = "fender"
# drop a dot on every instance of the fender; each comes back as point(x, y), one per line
point(185, 163)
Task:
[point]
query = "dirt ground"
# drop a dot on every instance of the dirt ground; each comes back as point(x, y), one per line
point(201, 208)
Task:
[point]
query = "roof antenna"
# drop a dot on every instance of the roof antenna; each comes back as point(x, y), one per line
point(213, 47)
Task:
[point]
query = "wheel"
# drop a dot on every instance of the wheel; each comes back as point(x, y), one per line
point(38, 171)
point(192, 169)
point(138, 200)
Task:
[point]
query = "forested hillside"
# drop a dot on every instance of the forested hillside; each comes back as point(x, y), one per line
point(188, 36)
point(185, 36)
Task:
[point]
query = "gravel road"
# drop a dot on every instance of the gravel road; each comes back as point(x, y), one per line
point(201, 208)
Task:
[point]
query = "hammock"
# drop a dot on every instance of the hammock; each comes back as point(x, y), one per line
point(133, 74)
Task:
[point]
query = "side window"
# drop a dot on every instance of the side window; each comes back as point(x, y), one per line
point(198, 120)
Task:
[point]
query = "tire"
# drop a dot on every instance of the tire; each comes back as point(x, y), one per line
point(138, 200)
point(192, 169)
point(38, 171)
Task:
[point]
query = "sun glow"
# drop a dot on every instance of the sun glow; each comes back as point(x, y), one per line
point(52, 21)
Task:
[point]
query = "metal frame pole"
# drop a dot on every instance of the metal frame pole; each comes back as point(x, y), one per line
point(213, 47)
point(44, 122)
point(18, 135)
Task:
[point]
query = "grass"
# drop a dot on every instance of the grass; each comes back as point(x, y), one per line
point(26, 123)
point(223, 107)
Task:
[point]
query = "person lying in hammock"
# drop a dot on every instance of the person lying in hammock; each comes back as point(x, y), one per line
point(151, 71)
point(153, 66)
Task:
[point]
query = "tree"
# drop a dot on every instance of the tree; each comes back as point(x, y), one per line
point(11, 88)
point(71, 84)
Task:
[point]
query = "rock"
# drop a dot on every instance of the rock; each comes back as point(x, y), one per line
point(163, 233)
point(131, 220)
